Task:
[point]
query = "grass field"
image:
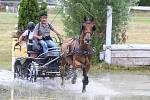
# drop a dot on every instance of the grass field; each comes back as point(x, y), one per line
point(139, 28)
point(7, 27)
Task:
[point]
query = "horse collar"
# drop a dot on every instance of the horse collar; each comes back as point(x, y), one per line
point(82, 52)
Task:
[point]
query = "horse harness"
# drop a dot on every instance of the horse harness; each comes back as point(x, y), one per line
point(79, 51)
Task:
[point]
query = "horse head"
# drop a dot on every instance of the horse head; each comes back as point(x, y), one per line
point(88, 27)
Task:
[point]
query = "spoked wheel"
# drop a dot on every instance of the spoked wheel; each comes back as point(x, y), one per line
point(17, 70)
point(32, 74)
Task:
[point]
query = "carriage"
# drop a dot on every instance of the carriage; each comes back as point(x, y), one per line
point(42, 65)
point(75, 53)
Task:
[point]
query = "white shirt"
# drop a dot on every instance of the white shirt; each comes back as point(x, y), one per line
point(26, 34)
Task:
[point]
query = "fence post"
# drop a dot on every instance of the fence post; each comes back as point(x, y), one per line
point(7, 9)
point(108, 35)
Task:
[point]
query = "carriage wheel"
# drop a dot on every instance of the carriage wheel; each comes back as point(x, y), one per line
point(17, 70)
point(32, 74)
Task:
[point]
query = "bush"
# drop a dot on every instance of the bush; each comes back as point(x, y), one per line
point(28, 11)
point(144, 3)
point(43, 7)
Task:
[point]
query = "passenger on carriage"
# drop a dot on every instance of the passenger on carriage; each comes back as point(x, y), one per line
point(42, 33)
point(28, 34)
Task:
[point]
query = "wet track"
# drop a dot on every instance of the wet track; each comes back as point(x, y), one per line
point(103, 86)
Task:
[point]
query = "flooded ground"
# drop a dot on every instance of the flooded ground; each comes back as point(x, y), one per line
point(103, 86)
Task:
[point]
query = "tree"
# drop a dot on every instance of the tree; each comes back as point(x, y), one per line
point(28, 11)
point(76, 10)
point(22, 15)
point(43, 7)
point(144, 3)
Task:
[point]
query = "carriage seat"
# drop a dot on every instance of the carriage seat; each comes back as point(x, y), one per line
point(34, 47)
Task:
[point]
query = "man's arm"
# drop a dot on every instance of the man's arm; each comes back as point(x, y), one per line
point(56, 32)
point(35, 32)
point(20, 39)
point(59, 36)
point(22, 35)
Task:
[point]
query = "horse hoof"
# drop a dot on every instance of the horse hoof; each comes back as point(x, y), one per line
point(62, 84)
point(73, 81)
point(83, 91)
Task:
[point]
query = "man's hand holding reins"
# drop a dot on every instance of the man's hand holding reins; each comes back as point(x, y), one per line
point(58, 35)
point(60, 38)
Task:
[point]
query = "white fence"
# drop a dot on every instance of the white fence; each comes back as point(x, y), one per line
point(140, 8)
point(133, 54)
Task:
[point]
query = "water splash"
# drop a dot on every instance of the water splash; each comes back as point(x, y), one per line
point(6, 76)
point(94, 88)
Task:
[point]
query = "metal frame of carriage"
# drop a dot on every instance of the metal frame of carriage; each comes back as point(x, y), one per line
point(41, 66)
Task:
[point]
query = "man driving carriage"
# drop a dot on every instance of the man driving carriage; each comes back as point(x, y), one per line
point(42, 33)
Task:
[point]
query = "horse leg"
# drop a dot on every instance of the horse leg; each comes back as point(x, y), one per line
point(85, 80)
point(76, 64)
point(62, 74)
point(73, 81)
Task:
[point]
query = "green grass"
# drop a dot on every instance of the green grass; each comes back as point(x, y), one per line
point(8, 18)
point(140, 20)
point(7, 27)
point(139, 28)
point(104, 67)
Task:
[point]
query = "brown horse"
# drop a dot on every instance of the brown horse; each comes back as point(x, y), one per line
point(78, 52)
